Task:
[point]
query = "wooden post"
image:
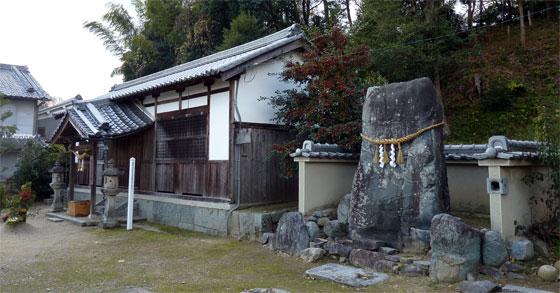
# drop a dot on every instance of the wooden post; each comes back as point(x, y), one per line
point(154, 148)
point(71, 176)
point(92, 177)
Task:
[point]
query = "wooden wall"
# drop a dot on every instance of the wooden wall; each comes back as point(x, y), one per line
point(261, 179)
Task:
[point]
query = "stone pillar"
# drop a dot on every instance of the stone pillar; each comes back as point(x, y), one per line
point(110, 190)
point(391, 198)
point(57, 184)
point(512, 208)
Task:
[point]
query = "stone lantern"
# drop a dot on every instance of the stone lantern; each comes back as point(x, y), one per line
point(57, 184)
point(110, 190)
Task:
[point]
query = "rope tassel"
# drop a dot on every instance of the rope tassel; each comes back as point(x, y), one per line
point(382, 143)
point(400, 157)
point(385, 158)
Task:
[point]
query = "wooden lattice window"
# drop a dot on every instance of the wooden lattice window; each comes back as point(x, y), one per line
point(182, 135)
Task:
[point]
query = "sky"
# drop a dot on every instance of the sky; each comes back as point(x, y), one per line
point(48, 37)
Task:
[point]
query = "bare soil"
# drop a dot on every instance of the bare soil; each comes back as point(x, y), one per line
point(41, 256)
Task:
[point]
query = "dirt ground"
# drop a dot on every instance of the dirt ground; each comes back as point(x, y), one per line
point(42, 256)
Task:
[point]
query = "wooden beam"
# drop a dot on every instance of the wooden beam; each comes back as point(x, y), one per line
point(92, 177)
point(72, 175)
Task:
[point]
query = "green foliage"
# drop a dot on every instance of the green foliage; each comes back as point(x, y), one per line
point(328, 103)
point(6, 131)
point(19, 205)
point(34, 165)
point(502, 95)
point(244, 28)
point(405, 37)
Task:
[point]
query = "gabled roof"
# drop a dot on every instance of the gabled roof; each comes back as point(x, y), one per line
point(212, 65)
point(16, 82)
point(103, 118)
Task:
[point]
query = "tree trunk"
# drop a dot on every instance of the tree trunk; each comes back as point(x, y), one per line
point(480, 10)
point(470, 10)
point(326, 12)
point(529, 17)
point(348, 13)
point(522, 23)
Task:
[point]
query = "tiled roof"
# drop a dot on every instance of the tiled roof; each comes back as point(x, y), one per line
point(207, 66)
point(105, 118)
point(323, 151)
point(17, 141)
point(17, 82)
point(498, 147)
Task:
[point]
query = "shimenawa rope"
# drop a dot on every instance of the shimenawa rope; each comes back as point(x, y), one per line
point(383, 142)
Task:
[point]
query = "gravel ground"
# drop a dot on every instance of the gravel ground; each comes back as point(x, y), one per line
point(43, 256)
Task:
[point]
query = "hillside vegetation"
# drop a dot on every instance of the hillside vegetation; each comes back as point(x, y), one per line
point(501, 88)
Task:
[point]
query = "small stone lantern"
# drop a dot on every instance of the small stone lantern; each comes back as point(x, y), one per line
point(57, 184)
point(110, 190)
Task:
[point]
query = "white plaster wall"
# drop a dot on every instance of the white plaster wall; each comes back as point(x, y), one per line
point(467, 187)
point(168, 107)
point(195, 102)
point(23, 116)
point(169, 95)
point(261, 81)
point(195, 89)
point(218, 140)
point(151, 110)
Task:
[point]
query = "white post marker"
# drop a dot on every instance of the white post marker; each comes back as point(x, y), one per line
point(130, 210)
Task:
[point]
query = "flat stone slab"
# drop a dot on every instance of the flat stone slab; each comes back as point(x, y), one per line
point(519, 289)
point(80, 221)
point(346, 275)
point(56, 220)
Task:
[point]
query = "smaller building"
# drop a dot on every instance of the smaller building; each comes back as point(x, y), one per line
point(23, 95)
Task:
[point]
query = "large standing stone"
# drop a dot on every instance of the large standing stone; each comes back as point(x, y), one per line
point(494, 249)
point(291, 234)
point(387, 201)
point(455, 248)
point(343, 209)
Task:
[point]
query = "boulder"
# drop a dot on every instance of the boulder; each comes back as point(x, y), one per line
point(522, 249)
point(490, 271)
point(548, 273)
point(385, 266)
point(291, 233)
point(424, 264)
point(322, 221)
point(328, 213)
point(359, 242)
point(311, 254)
point(511, 267)
point(557, 265)
point(337, 248)
point(388, 199)
point(479, 287)
point(365, 258)
point(335, 229)
point(343, 209)
point(541, 248)
point(418, 241)
point(494, 249)
point(412, 270)
point(267, 238)
point(313, 229)
point(455, 249)
point(388, 250)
